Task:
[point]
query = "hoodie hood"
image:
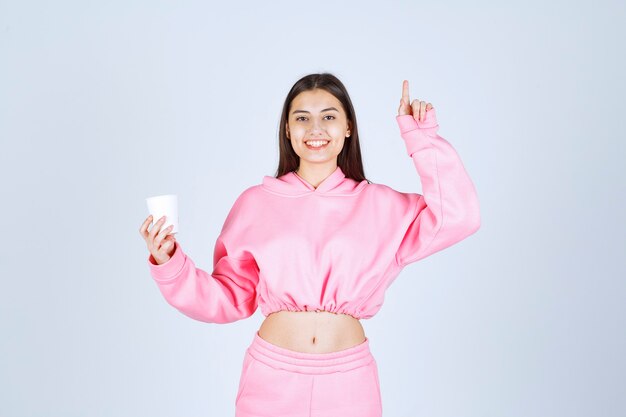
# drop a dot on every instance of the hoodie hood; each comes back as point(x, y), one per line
point(292, 184)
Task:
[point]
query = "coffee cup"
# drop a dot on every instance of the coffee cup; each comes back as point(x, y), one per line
point(164, 205)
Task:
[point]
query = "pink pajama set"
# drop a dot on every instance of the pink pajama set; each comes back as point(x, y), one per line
point(286, 245)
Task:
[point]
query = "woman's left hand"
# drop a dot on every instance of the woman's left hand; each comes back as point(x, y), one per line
point(417, 108)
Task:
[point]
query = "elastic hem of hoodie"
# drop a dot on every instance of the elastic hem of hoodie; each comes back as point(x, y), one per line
point(284, 307)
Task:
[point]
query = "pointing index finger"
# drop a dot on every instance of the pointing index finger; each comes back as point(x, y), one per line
point(405, 91)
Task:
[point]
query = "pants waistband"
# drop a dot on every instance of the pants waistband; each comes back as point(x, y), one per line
point(310, 363)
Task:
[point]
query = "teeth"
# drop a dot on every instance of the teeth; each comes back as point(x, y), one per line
point(316, 143)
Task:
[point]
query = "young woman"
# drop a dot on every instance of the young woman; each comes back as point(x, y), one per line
point(315, 247)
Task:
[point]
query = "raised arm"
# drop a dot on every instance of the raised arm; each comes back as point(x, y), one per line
point(448, 210)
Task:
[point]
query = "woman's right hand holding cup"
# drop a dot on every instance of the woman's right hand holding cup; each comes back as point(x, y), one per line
point(159, 242)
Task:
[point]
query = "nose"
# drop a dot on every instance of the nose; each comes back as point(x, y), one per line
point(316, 129)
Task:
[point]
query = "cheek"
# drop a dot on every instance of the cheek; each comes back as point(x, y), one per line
point(335, 130)
point(298, 130)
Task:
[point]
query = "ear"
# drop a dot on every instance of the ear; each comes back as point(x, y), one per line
point(287, 129)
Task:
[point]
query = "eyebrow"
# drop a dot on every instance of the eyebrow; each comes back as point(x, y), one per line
point(304, 111)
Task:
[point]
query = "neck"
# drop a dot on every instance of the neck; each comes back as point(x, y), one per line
point(314, 174)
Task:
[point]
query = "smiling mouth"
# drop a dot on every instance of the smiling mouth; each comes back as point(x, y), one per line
point(316, 144)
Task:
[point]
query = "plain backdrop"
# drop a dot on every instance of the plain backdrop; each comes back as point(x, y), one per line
point(103, 104)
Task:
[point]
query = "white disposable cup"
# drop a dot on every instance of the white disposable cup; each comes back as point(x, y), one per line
point(164, 205)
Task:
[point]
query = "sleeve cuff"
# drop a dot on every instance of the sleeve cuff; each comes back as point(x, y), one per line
point(168, 270)
point(407, 122)
point(415, 133)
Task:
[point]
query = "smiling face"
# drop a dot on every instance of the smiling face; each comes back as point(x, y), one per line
point(317, 115)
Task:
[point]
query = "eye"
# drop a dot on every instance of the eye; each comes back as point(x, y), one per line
point(302, 117)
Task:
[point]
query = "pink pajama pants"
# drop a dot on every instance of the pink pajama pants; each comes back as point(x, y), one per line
point(278, 382)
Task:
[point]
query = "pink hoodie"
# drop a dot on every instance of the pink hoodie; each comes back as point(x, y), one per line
point(286, 245)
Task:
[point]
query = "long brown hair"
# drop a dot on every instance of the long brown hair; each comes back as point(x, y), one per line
point(349, 159)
